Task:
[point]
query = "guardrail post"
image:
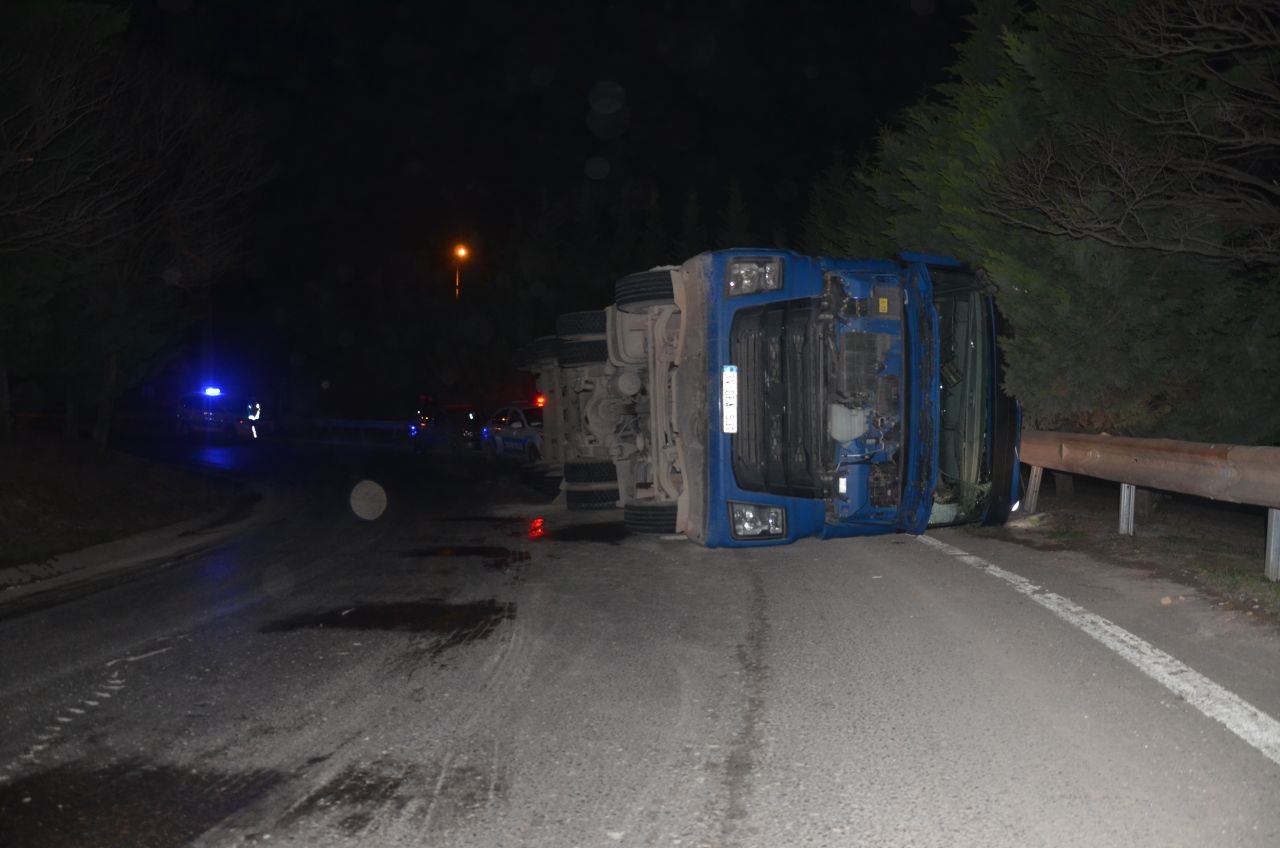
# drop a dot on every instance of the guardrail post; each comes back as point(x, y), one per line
point(1273, 544)
point(1032, 500)
point(1127, 492)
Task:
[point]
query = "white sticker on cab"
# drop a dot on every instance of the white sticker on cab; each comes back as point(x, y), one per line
point(729, 399)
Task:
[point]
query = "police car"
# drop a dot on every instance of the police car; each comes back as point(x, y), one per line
point(515, 432)
point(211, 412)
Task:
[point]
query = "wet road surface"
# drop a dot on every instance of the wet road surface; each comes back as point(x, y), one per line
point(476, 667)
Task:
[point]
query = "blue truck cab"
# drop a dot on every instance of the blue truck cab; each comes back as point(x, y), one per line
point(785, 396)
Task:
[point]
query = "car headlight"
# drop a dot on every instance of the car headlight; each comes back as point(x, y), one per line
point(752, 276)
point(752, 521)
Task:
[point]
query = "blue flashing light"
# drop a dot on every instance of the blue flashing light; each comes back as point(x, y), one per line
point(212, 391)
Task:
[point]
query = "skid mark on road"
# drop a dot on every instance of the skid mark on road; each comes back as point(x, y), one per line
point(1237, 715)
point(741, 761)
point(470, 782)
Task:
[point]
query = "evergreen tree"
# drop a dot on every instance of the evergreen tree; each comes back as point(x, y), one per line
point(653, 247)
point(842, 217)
point(693, 233)
point(735, 223)
point(623, 257)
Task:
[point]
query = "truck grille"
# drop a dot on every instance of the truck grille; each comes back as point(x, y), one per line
point(780, 398)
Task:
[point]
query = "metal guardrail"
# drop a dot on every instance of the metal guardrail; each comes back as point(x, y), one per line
point(361, 432)
point(1234, 473)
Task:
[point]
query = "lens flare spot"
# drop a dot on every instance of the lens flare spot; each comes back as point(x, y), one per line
point(368, 500)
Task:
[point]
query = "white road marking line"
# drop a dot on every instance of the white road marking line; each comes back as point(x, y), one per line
point(1239, 716)
point(61, 722)
point(139, 657)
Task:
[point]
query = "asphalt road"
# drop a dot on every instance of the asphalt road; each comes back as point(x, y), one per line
point(456, 672)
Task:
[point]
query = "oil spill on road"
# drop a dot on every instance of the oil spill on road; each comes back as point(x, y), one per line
point(353, 797)
point(127, 803)
point(495, 520)
point(459, 623)
point(496, 557)
point(611, 533)
point(422, 794)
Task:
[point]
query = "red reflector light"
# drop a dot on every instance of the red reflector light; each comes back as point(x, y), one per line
point(535, 528)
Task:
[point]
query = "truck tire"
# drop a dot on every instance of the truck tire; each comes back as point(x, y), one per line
point(542, 481)
point(653, 517)
point(591, 498)
point(583, 352)
point(582, 325)
point(637, 292)
point(550, 484)
point(539, 350)
point(590, 472)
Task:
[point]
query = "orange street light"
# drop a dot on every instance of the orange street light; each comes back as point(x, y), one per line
point(460, 253)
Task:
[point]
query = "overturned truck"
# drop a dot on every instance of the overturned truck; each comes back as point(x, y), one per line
point(755, 397)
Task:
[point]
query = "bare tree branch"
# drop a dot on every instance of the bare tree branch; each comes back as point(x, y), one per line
point(1190, 163)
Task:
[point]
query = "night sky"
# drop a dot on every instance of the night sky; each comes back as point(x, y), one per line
point(425, 121)
point(396, 129)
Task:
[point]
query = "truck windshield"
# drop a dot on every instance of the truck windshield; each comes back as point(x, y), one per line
point(967, 381)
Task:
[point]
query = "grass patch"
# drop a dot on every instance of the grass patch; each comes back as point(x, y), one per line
point(1245, 586)
point(1067, 532)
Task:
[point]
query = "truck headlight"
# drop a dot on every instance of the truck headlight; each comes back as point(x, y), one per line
point(751, 521)
point(751, 276)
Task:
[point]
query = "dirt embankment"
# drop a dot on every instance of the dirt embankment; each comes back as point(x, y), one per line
point(58, 495)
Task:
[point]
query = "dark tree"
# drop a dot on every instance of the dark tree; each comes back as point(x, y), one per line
point(735, 222)
point(693, 232)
